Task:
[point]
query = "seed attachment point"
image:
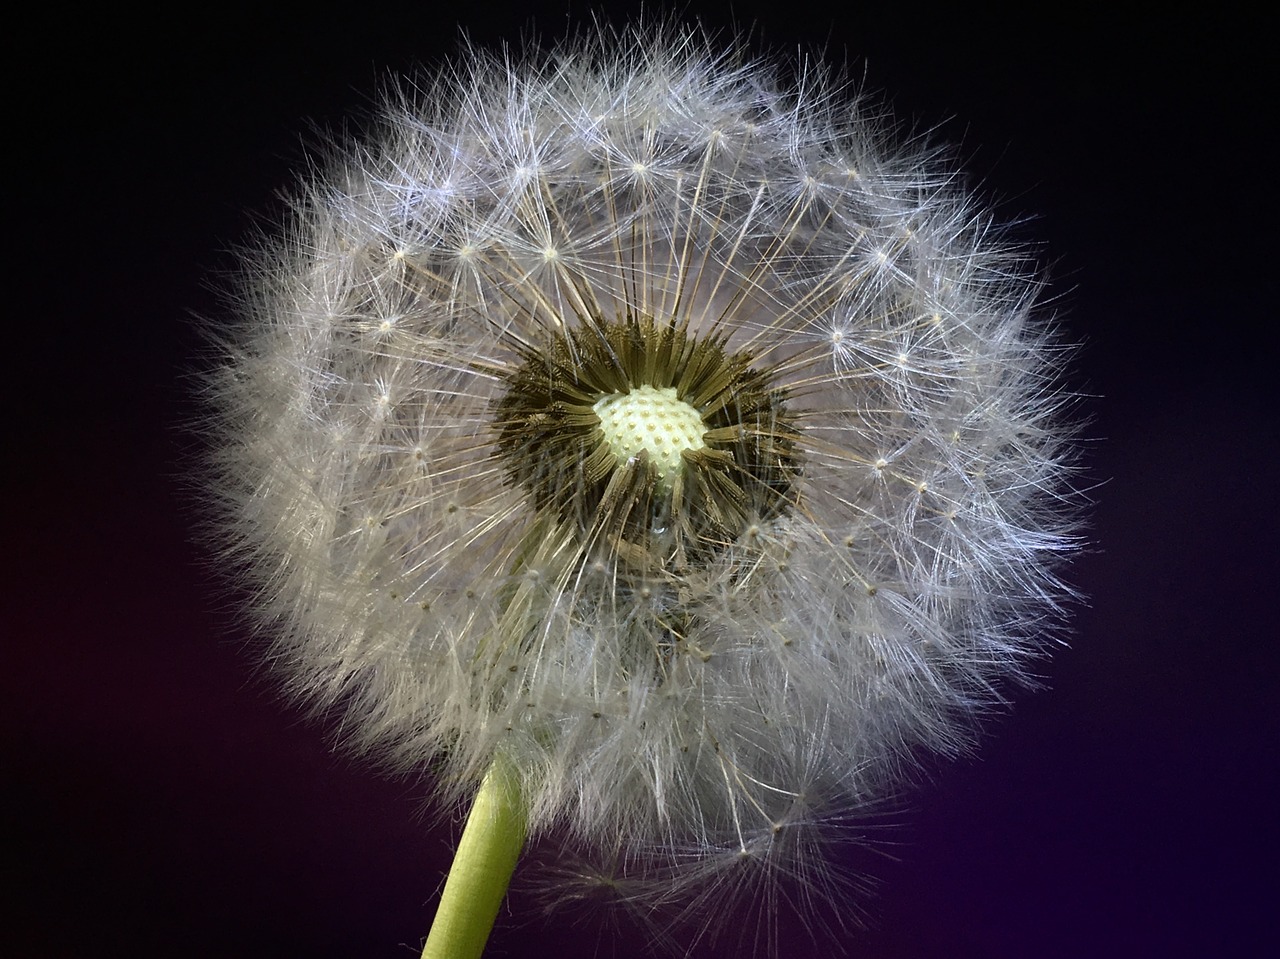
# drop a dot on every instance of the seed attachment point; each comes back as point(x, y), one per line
point(653, 420)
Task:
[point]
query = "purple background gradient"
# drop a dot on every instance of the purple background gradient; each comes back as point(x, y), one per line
point(165, 801)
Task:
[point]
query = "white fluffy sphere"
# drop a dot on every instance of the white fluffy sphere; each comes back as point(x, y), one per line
point(839, 549)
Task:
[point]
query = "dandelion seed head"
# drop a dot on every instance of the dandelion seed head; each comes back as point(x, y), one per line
point(634, 415)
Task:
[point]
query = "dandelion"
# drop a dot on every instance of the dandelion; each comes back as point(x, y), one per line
point(652, 442)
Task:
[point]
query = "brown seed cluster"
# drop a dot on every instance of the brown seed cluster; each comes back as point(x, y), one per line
point(551, 441)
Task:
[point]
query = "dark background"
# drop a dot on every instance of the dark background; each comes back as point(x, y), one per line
point(165, 800)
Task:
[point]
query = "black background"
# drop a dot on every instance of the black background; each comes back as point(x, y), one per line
point(165, 800)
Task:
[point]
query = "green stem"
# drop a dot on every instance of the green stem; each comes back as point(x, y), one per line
point(482, 867)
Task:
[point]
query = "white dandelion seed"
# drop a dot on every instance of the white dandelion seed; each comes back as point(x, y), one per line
point(622, 417)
